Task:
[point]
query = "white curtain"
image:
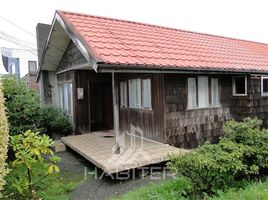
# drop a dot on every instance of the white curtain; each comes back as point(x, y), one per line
point(203, 99)
point(146, 93)
point(214, 92)
point(192, 93)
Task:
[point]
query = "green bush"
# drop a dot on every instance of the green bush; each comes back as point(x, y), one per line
point(3, 142)
point(242, 153)
point(22, 105)
point(249, 133)
point(211, 167)
point(54, 121)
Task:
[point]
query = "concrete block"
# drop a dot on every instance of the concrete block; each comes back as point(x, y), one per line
point(59, 146)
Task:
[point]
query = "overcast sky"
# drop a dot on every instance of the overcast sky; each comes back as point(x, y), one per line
point(244, 19)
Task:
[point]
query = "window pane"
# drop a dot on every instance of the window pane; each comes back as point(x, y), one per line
point(65, 97)
point(123, 94)
point(240, 85)
point(191, 92)
point(214, 92)
point(138, 93)
point(132, 93)
point(265, 85)
point(70, 99)
point(146, 93)
point(203, 100)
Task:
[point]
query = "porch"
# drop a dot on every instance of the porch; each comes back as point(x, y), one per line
point(97, 147)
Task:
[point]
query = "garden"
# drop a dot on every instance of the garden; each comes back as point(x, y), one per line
point(28, 164)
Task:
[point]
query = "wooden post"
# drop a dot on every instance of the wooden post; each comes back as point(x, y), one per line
point(116, 113)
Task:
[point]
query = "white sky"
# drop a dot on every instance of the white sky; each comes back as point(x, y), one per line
point(244, 19)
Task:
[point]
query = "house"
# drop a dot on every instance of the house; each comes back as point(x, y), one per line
point(178, 86)
point(30, 77)
point(11, 64)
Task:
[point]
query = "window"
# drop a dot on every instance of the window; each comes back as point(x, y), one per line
point(123, 94)
point(203, 92)
point(264, 85)
point(66, 98)
point(240, 86)
point(32, 67)
point(136, 93)
point(146, 93)
point(134, 88)
point(192, 93)
point(215, 101)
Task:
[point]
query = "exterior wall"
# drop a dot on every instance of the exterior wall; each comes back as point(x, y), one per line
point(189, 128)
point(150, 121)
point(48, 88)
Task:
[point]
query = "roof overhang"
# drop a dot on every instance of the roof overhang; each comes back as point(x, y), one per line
point(61, 33)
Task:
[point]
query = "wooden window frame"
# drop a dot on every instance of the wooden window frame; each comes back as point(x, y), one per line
point(246, 87)
point(263, 94)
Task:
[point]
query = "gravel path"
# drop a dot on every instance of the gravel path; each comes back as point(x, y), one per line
point(98, 186)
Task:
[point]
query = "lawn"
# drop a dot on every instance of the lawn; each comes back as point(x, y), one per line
point(173, 189)
point(54, 187)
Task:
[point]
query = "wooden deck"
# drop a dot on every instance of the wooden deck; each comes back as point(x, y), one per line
point(97, 147)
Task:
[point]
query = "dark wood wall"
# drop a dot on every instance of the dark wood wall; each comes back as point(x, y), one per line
point(150, 121)
point(190, 128)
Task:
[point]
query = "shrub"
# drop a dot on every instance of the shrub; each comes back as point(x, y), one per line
point(211, 167)
point(22, 105)
point(30, 149)
point(249, 133)
point(242, 153)
point(3, 142)
point(53, 120)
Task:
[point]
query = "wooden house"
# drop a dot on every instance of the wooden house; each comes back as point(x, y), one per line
point(178, 86)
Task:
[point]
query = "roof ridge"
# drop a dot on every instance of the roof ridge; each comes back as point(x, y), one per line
point(160, 26)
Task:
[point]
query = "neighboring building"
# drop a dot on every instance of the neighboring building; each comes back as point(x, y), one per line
point(30, 77)
point(178, 86)
point(11, 64)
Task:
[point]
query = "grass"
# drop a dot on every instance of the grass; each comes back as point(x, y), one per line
point(172, 190)
point(54, 187)
point(253, 191)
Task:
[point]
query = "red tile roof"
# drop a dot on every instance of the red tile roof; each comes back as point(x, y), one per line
point(123, 42)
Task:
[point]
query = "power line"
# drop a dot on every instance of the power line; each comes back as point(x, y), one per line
point(35, 36)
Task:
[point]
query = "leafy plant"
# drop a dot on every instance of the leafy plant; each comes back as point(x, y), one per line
point(31, 148)
point(249, 133)
point(242, 153)
point(53, 120)
point(211, 167)
point(22, 105)
point(3, 142)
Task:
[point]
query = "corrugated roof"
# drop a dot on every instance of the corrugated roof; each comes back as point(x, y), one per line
point(114, 41)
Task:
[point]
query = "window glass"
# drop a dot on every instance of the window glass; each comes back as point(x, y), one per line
point(146, 93)
point(214, 92)
point(203, 100)
point(135, 93)
point(265, 85)
point(192, 93)
point(239, 85)
point(123, 94)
